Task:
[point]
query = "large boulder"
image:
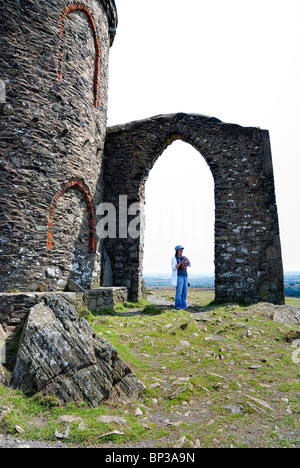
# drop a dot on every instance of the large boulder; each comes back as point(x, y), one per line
point(60, 354)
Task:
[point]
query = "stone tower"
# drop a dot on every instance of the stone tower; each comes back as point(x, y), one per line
point(54, 62)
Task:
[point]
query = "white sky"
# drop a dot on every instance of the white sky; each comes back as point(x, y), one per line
point(235, 60)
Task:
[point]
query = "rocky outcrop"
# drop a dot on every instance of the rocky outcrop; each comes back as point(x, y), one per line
point(282, 314)
point(59, 354)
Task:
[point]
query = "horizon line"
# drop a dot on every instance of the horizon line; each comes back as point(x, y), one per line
point(200, 272)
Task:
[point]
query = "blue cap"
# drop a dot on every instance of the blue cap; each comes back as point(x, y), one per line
point(179, 247)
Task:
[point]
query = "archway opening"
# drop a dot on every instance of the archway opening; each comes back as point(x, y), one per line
point(180, 209)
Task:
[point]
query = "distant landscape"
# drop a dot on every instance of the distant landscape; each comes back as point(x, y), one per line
point(163, 279)
point(152, 280)
point(292, 283)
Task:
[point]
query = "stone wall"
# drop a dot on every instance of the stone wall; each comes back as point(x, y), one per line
point(15, 306)
point(98, 299)
point(54, 61)
point(248, 263)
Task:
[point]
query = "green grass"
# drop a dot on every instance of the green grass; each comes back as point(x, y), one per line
point(207, 354)
point(295, 301)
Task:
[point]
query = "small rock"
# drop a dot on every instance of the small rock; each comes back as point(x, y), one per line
point(234, 409)
point(19, 429)
point(260, 402)
point(178, 392)
point(204, 388)
point(138, 412)
point(109, 419)
point(180, 380)
point(254, 366)
point(185, 343)
point(111, 433)
point(4, 410)
point(181, 442)
point(2, 374)
point(211, 422)
point(216, 441)
point(154, 385)
point(63, 435)
point(68, 418)
point(218, 386)
point(175, 424)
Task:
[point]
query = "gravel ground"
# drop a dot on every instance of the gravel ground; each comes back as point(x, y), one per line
point(7, 441)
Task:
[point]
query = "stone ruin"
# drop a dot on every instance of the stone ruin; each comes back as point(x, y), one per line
point(248, 264)
point(59, 162)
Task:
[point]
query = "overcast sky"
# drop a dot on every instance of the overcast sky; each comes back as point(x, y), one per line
point(235, 60)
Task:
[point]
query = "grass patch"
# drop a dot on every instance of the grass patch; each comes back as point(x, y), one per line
point(232, 369)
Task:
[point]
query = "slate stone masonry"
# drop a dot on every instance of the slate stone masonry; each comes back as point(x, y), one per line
point(54, 62)
point(58, 162)
point(15, 306)
point(248, 263)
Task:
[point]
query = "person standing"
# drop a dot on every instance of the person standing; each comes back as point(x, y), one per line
point(180, 277)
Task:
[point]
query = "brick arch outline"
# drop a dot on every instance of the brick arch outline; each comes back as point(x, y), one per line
point(69, 9)
point(79, 185)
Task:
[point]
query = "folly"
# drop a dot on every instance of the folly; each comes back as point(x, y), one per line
point(59, 162)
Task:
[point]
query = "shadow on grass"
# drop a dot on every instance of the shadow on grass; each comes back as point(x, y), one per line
point(157, 309)
point(151, 309)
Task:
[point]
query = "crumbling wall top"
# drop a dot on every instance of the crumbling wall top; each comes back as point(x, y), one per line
point(112, 15)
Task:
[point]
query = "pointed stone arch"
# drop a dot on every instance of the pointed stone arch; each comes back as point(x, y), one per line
point(78, 185)
point(248, 262)
point(68, 10)
point(180, 183)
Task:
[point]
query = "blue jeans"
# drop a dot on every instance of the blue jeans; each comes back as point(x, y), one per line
point(181, 292)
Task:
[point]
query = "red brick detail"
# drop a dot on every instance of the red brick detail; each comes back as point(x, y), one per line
point(69, 9)
point(79, 185)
